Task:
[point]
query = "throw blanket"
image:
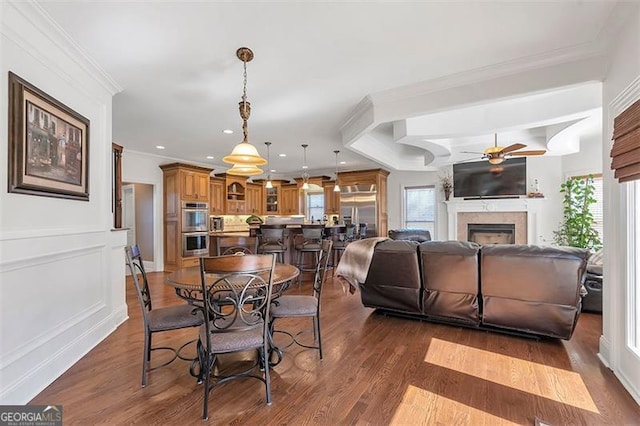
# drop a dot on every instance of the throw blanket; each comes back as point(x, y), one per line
point(355, 261)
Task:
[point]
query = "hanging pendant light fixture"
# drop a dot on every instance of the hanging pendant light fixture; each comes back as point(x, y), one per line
point(269, 184)
point(244, 156)
point(336, 187)
point(305, 175)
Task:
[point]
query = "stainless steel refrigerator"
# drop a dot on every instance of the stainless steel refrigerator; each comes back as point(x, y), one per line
point(358, 204)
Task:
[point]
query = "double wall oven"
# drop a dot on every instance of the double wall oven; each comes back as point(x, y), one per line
point(195, 227)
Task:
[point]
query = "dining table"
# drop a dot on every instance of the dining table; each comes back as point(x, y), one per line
point(188, 286)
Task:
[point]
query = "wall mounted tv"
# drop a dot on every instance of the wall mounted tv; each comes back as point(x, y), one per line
point(482, 179)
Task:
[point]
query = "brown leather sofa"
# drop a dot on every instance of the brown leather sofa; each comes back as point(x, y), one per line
point(419, 235)
point(530, 290)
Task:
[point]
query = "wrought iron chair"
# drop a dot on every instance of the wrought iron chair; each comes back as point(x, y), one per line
point(310, 244)
point(159, 319)
point(241, 323)
point(236, 250)
point(271, 240)
point(297, 305)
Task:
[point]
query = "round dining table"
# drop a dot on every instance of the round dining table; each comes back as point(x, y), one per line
point(187, 284)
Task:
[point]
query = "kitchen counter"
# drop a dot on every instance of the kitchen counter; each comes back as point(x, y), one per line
point(229, 233)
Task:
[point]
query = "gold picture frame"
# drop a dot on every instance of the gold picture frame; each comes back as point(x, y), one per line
point(48, 145)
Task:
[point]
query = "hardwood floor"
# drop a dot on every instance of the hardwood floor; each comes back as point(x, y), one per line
point(376, 370)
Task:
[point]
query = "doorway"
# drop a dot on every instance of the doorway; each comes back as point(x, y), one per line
point(138, 218)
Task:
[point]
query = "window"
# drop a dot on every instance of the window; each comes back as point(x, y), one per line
point(597, 207)
point(420, 208)
point(315, 206)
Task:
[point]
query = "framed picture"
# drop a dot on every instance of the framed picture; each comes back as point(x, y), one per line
point(48, 145)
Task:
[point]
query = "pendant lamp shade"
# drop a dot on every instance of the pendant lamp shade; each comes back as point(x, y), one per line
point(244, 170)
point(245, 154)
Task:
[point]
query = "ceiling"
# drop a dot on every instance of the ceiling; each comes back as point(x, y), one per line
point(379, 81)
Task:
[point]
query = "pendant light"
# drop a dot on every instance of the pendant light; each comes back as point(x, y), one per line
point(336, 187)
point(269, 184)
point(244, 156)
point(305, 175)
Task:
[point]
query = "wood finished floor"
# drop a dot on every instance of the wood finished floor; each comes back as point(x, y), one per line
point(376, 370)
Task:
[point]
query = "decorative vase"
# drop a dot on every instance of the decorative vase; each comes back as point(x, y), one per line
point(447, 193)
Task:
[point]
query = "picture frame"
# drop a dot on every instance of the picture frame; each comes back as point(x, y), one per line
point(48, 145)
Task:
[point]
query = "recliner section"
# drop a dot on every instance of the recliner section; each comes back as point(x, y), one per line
point(526, 289)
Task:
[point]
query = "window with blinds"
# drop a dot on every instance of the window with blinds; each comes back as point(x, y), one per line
point(420, 208)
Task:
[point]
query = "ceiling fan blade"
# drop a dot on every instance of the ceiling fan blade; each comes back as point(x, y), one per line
point(470, 159)
point(513, 147)
point(471, 152)
point(533, 152)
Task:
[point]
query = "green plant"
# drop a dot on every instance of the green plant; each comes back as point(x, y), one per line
point(577, 228)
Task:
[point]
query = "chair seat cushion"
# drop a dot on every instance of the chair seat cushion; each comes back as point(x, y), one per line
point(294, 305)
point(271, 247)
point(309, 247)
point(234, 338)
point(174, 317)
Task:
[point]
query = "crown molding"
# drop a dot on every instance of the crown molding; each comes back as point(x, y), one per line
point(628, 96)
point(34, 13)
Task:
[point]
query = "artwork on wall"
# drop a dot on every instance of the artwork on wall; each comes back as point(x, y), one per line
point(48, 145)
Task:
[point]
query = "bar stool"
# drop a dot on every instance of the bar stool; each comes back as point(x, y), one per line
point(311, 244)
point(341, 244)
point(362, 231)
point(271, 240)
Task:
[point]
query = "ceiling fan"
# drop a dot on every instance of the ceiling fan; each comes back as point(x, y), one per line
point(497, 154)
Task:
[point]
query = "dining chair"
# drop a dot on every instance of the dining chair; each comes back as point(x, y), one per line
point(298, 305)
point(159, 319)
point(239, 324)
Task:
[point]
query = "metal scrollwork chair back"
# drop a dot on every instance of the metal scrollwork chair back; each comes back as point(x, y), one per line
point(296, 305)
point(159, 319)
point(237, 297)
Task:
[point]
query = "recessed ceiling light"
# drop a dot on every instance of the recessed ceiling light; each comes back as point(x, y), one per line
point(159, 147)
point(343, 162)
point(282, 155)
point(210, 157)
point(305, 167)
point(273, 170)
point(227, 131)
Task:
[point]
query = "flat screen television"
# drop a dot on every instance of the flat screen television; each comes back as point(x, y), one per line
point(483, 179)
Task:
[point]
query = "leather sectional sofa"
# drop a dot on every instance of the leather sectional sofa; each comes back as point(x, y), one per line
point(530, 290)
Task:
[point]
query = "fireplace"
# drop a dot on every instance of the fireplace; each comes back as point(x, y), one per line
point(524, 213)
point(491, 233)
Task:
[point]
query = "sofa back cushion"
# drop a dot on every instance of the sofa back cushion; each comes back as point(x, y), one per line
point(393, 280)
point(532, 288)
point(419, 235)
point(450, 280)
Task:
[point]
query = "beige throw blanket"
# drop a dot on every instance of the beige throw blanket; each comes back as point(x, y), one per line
point(354, 263)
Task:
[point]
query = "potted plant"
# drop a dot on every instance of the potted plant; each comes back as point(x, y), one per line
point(576, 229)
point(446, 181)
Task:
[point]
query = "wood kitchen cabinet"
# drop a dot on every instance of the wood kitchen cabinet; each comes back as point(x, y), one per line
point(331, 199)
point(195, 185)
point(181, 182)
point(290, 199)
point(254, 199)
point(216, 196)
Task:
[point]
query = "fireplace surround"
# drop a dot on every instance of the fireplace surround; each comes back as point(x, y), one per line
point(523, 213)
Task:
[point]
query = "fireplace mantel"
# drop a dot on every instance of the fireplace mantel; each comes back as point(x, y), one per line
point(531, 206)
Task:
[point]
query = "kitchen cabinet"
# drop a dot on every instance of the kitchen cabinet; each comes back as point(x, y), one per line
point(216, 196)
point(254, 199)
point(195, 185)
point(236, 188)
point(272, 200)
point(290, 199)
point(331, 199)
point(181, 182)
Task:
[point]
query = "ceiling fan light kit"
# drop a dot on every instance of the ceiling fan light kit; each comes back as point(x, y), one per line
point(497, 154)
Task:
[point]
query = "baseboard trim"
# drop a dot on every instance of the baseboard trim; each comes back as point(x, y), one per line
point(34, 381)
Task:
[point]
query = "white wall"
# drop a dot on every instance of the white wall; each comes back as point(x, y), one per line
point(588, 160)
point(61, 267)
point(621, 88)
